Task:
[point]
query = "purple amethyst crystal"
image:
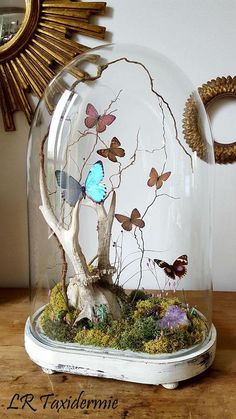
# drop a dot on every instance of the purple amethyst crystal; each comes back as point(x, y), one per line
point(174, 317)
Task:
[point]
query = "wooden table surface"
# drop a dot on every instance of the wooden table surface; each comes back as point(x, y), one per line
point(210, 395)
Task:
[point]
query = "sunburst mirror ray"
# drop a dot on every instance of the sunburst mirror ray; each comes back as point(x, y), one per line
point(42, 43)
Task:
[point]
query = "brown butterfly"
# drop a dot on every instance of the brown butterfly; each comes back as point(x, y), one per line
point(128, 222)
point(113, 151)
point(177, 269)
point(157, 180)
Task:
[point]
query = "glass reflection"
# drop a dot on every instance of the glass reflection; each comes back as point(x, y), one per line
point(11, 19)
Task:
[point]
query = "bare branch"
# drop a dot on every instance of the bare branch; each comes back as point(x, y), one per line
point(102, 68)
point(122, 169)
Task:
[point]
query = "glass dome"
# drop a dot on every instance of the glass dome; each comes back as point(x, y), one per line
point(120, 207)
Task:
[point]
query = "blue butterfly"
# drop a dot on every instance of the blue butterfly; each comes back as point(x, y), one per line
point(93, 188)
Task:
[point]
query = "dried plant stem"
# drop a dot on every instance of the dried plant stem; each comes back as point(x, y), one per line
point(122, 169)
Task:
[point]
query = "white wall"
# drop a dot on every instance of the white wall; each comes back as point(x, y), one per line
point(13, 217)
point(199, 35)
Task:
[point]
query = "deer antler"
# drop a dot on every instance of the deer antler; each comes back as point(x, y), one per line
point(67, 237)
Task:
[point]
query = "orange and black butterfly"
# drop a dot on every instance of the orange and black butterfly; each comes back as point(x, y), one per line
point(177, 269)
point(113, 151)
point(128, 222)
point(155, 179)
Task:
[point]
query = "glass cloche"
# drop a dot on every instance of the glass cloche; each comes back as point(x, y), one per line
point(120, 220)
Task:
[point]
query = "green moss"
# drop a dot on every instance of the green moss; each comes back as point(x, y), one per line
point(137, 295)
point(157, 346)
point(93, 337)
point(134, 337)
point(146, 326)
point(58, 330)
point(57, 320)
point(117, 328)
point(137, 330)
point(57, 301)
point(154, 306)
point(146, 308)
point(47, 315)
point(131, 339)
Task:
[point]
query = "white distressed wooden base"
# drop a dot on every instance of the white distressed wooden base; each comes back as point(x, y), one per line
point(167, 370)
point(170, 386)
point(48, 371)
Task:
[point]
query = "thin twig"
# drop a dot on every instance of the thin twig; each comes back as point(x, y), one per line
point(122, 169)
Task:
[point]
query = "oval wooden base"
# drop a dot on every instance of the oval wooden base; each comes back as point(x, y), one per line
point(121, 365)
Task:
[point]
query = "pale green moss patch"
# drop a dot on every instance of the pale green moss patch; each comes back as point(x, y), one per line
point(138, 330)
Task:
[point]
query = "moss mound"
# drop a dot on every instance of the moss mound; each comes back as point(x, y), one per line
point(149, 324)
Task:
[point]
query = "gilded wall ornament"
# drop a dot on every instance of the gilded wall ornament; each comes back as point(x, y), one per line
point(209, 92)
point(30, 59)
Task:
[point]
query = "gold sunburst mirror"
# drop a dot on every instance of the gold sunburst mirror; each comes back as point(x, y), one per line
point(36, 37)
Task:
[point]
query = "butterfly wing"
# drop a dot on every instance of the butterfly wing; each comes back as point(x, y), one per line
point(162, 179)
point(108, 119)
point(92, 118)
point(153, 176)
point(165, 176)
point(135, 214)
point(93, 187)
point(138, 223)
point(115, 143)
point(104, 121)
point(168, 269)
point(115, 149)
point(91, 111)
point(119, 152)
point(62, 179)
point(72, 188)
point(135, 218)
point(112, 156)
point(104, 152)
point(100, 126)
point(179, 266)
point(125, 221)
point(90, 122)
point(127, 225)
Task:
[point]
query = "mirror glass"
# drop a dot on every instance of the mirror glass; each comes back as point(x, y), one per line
point(222, 113)
point(12, 13)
